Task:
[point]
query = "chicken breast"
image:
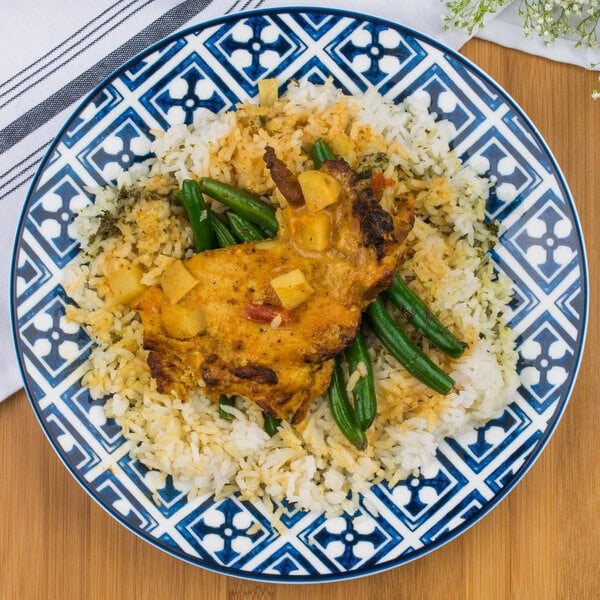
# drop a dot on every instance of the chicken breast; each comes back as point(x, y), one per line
point(279, 356)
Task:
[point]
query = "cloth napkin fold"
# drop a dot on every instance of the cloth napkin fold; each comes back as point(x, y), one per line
point(54, 54)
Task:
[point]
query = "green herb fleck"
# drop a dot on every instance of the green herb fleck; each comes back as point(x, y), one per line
point(107, 227)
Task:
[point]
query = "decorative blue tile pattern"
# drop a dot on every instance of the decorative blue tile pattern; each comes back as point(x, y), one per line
point(264, 44)
point(545, 362)
point(121, 143)
point(90, 414)
point(286, 563)
point(544, 240)
point(516, 178)
point(463, 512)
point(123, 502)
point(374, 55)
point(458, 107)
point(73, 447)
point(481, 448)
point(32, 272)
point(105, 100)
point(513, 461)
point(203, 89)
point(420, 500)
point(141, 71)
point(349, 542)
point(214, 66)
point(55, 347)
point(231, 533)
point(486, 91)
point(572, 302)
point(51, 211)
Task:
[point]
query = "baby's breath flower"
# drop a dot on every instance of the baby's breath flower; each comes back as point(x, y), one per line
point(469, 14)
point(547, 19)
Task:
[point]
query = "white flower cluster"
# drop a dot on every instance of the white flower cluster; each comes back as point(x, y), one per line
point(551, 19)
point(547, 19)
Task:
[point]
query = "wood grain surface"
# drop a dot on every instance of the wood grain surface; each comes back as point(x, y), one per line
point(541, 542)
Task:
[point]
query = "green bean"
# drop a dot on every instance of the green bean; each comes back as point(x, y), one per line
point(247, 205)
point(422, 319)
point(319, 152)
point(341, 409)
point(404, 351)
point(271, 424)
point(225, 401)
point(243, 229)
point(222, 232)
point(191, 198)
point(365, 398)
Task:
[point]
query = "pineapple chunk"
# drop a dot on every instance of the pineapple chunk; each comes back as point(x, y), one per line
point(313, 232)
point(181, 321)
point(268, 91)
point(176, 281)
point(126, 283)
point(265, 245)
point(292, 288)
point(319, 189)
point(341, 145)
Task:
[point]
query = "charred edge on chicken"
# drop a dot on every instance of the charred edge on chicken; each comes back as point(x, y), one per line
point(257, 373)
point(376, 224)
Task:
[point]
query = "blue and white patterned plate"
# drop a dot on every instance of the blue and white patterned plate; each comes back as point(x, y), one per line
point(541, 248)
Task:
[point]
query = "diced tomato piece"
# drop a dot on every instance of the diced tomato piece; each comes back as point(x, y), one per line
point(261, 313)
point(379, 182)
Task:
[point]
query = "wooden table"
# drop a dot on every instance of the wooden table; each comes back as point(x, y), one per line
point(541, 542)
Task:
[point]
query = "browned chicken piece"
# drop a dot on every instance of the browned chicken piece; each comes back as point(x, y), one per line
point(279, 356)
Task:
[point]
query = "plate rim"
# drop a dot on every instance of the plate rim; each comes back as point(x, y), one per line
point(551, 424)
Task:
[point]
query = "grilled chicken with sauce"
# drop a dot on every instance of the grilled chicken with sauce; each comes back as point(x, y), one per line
point(268, 317)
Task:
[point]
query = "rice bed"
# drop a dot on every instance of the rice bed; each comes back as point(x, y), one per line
point(446, 263)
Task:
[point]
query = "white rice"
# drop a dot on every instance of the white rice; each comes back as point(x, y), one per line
point(312, 466)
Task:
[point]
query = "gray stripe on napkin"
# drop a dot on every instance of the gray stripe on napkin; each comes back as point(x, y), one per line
point(64, 52)
point(85, 83)
point(241, 5)
point(21, 172)
point(47, 65)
